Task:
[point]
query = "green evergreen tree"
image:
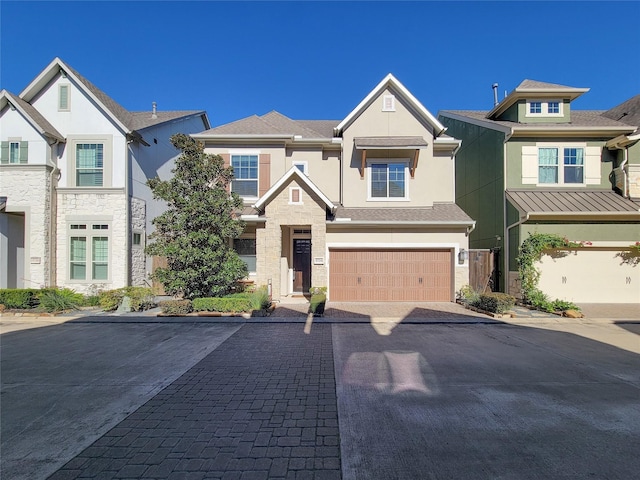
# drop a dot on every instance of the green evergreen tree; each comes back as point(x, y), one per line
point(194, 232)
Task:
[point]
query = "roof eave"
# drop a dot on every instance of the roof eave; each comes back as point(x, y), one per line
point(476, 121)
point(560, 129)
point(348, 222)
point(524, 93)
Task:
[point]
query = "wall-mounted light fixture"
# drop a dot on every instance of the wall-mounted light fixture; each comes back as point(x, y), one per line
point(463, 255)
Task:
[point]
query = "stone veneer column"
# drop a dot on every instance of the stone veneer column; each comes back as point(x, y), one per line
point(28, 190)
point(138, 258)
point(280, 212)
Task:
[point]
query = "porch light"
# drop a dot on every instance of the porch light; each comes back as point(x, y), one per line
point(463, 256)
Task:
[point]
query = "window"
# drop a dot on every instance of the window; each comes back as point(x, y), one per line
point(547, 108)
point(245, 171)
point(14, 151)
point(89, 164)
point(535, 107)
point(246, 250)
point(572, 171)
point(388, 181)
point(89, 252)
point(302, 166)
point(63, 97)
point(295, 196)
point(137, 239)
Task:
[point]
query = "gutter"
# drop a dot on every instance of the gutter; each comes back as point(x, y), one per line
point(53, 222)
point(348, 222)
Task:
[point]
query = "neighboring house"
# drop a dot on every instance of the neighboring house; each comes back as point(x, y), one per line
point(363, 206)
point(536, 164)
point(74, 207)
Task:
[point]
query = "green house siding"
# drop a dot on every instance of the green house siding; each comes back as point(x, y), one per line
point(514, 160)
point(522, 113)
point(479, 180)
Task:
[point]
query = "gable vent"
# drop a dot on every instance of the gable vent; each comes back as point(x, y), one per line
point(389, 103)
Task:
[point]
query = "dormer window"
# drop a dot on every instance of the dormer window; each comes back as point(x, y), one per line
point(544, 108)
point(63, 98)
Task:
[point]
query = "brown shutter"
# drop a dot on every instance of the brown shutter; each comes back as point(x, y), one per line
point(264, 173)
point(226, 158)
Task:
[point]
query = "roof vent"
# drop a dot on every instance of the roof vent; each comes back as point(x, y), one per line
point(495, 94)
point(154, 110)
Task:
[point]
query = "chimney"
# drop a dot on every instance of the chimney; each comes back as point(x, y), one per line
point(495, 94)
point(154, 109)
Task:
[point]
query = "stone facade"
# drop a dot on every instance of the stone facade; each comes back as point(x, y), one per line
point(309, 213)
point(461, 276)
point(513, 287)
point(634, 181)
point(28, 189)
point(108, 207)
point(138, 259)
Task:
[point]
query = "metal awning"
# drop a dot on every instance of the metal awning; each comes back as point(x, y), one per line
point(390, 143)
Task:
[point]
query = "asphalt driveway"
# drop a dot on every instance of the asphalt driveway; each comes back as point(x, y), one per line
point(342, 400)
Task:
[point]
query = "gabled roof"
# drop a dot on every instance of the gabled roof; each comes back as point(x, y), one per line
point(273, 124)
point(578, 203)
point(535, 89)
point(294, 172)
point(391, 81)
point(32, 115)
point(127, 121)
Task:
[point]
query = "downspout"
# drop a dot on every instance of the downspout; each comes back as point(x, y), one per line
point(127, 192)
point(505, 255)
point(623, 165)
point(53, 219)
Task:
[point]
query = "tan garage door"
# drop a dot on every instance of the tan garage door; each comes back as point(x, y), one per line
point(390, 275)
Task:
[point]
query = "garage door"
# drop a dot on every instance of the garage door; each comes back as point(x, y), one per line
point(390, 275)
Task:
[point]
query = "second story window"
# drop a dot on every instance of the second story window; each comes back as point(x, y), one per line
point(535, 107)
point(245, 171)
point(553, 107)
point(387, 181)
point(551, 171)
point(89, 164)
point(14, 152)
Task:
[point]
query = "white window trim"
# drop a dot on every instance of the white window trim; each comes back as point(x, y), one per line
point(389, 98)
point(386, 161)
point(256, 154)
point(291, 190)
point(304, 164)
point(560, 147)
point(544, 108)
point(107, 158)
point(89, 233)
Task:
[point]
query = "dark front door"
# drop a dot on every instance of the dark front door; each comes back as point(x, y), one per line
point(301, 265)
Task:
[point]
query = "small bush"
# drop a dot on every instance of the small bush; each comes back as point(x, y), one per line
point(563, 305)
point(176, 307)
point(260, 299)
point(495, 302)
point(23, 298)
point(59, 300)
point(225, 304)
point(317, 303)
point(468, 295)
point(141, 298)
point(91, 301)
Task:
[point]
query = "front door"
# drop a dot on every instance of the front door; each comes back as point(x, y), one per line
point(301, 265)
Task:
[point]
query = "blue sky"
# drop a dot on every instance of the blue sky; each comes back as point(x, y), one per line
point(317, 60)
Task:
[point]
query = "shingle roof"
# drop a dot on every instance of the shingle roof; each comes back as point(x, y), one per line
point(440, 212)
point(571, 201)
point(534, 84)
point(627, 112)
point(275, 123)
point(380, 142)
point(35, 115)
point(579, 118)
point(142, 120)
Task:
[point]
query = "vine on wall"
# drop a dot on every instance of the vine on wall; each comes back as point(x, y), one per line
point(531, 251)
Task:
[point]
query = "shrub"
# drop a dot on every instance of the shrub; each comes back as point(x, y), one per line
point(495, 302)
point(58, 300)
point(259, 299)
point(141, 298)
point(317, 303)
point(23, 298)
point(468, 295)
point(563, 305)
point(225, 304)
point(176, 307)
point(91, 301)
